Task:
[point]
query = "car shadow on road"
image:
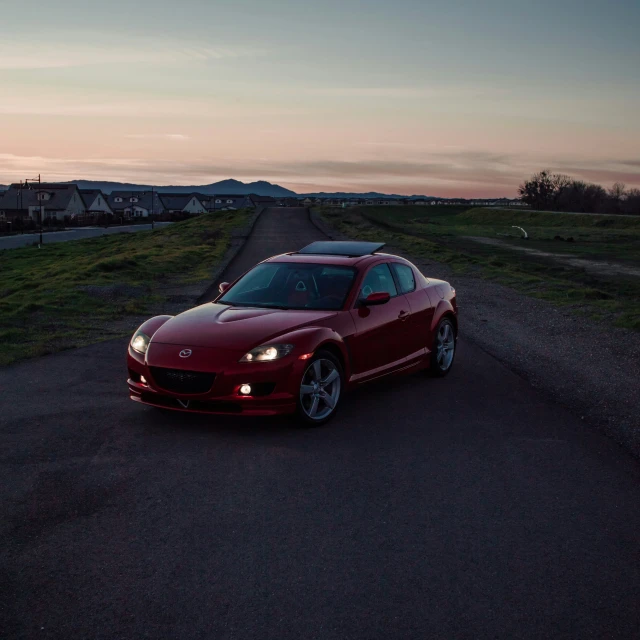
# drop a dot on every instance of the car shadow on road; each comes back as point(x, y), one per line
point(360, 409)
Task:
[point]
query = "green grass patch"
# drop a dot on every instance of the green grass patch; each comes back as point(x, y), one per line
point(449, 235)
point(70, 294)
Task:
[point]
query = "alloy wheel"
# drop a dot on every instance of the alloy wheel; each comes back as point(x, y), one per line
point(445, 346)
point(320, 389)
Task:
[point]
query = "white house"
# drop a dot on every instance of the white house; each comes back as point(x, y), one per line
point(55, 201)
point(182, 203)
point(229, 202)
point(95, 201)
point(135, 204)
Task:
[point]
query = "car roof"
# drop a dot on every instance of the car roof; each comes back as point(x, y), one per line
point(348, 253)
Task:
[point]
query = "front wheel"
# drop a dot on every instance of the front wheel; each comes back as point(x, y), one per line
point(320, 389)
point(444, 348)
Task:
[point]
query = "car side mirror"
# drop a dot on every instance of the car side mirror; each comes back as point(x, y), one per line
point(373, 299)
point(223, 286)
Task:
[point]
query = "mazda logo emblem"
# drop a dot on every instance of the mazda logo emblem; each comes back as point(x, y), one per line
point(185, 353)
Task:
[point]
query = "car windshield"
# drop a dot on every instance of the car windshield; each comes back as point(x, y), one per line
point(286, 285)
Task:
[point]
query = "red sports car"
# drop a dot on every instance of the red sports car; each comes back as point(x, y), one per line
point(293, 333)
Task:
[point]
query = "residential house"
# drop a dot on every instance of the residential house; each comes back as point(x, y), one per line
point(135, 204)
point(95, 202)
point(222, 202)
point(182, 203)
point(52, 201)
point(262, 201)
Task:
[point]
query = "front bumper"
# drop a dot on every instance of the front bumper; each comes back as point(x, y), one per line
point(281, 378)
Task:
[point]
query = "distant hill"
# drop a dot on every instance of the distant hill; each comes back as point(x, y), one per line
point(370, 194)
point(260, 188)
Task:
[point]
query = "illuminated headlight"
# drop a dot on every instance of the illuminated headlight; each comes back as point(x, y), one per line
point(140, 342)
point(267, 353)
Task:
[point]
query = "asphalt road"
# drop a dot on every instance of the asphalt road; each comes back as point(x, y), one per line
point(13, 242)
point(466, 507)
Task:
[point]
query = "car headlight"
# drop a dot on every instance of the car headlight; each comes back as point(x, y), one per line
point(140, 342)
point(267, 353)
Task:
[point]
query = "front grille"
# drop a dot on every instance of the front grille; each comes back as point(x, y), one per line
point(179, 381)
point(206, 406)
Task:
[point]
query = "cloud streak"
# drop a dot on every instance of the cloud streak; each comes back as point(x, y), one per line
point(46, 103)
point(432, 92)
point(177, 137)
point(67, 51)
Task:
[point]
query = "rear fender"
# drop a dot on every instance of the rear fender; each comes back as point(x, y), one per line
point(443, 308)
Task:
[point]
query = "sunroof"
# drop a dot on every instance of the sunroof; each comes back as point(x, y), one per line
point(342, 248)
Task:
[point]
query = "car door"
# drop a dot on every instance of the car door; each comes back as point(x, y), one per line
point(378, 343)
point(418, 325)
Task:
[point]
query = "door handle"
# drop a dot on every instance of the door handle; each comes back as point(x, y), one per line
point(403, 315)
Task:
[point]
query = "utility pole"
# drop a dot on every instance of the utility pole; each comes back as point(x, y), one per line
point(40, 199)
point(20, 208)
point(152, 208)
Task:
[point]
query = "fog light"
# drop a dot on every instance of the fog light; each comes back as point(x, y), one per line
point(245, 389)
point(143, 380)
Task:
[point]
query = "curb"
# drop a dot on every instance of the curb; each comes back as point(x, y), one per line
point(239, 238)
point(323, 227)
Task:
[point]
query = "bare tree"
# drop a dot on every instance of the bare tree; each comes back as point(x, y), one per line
point(616, 194)
point(558, 192)
point(631, 202)
point(544, 190)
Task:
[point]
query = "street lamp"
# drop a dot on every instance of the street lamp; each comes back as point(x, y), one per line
point(39, 198)
point(20, 207)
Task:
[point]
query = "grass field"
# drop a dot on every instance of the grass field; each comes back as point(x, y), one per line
point(597, 272)
point(69, 294)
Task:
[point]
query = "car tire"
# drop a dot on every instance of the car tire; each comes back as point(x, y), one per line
point(444, 348)
point(320, 393)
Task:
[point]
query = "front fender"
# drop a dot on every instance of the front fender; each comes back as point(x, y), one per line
point(149, 327)
point(153, 324)
point(310, 339)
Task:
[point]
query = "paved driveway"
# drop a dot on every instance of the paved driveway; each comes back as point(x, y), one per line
point(468, 507)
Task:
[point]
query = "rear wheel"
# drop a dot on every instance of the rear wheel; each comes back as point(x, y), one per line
point(444, 348)
point(320, 389)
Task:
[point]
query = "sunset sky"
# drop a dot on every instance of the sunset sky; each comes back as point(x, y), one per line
point(445, 97)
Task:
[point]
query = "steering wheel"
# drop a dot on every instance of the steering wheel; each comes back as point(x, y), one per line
point(366, 291)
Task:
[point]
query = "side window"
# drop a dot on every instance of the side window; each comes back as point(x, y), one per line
point(378, 280)
point(405, 277)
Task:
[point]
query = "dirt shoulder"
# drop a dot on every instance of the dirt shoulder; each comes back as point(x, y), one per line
point(588, 366)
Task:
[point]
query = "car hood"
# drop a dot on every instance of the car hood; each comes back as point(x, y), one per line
point(222, 326)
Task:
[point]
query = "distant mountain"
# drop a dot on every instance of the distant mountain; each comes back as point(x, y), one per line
point(368, 195)
point(260, 188)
